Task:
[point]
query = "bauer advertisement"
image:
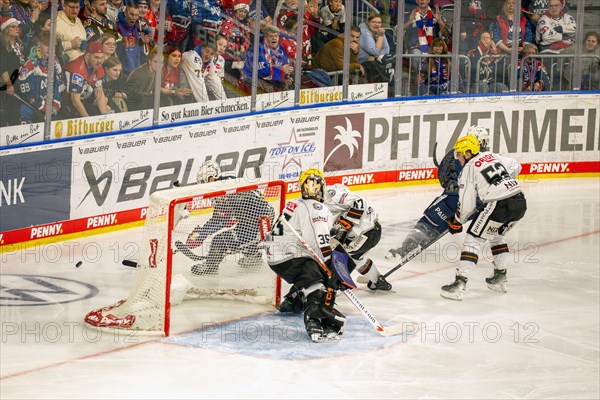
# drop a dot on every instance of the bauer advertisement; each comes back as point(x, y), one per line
point(356, 144)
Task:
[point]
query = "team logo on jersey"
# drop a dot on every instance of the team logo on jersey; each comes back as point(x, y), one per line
point(331, 192)
point(344, 142)
point(317, 206)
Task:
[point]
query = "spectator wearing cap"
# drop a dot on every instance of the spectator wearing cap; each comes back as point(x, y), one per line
point(33, 82)
point(12, 57)
point(70, 30)
point(84, 83)
point(236, 30)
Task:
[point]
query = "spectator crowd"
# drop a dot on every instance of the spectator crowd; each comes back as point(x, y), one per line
point(106, 50)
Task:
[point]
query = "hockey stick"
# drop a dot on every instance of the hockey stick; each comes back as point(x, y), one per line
point(415, 252)
point(347, 292)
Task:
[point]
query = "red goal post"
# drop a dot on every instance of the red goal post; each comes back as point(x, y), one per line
point(224, 260)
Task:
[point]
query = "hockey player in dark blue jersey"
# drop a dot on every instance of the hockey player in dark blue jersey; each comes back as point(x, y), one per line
point(233, 226)
point(433, 224)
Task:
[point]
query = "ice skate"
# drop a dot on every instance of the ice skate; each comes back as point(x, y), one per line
point(293, 302)
point(497, 281)
point(381, 284)
point(455, 290)
point(250, 262)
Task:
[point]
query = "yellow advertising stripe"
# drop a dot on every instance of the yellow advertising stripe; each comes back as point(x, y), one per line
point(69, 236)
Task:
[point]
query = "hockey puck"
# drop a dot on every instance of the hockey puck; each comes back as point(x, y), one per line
point(79, 263)
point(130, 263)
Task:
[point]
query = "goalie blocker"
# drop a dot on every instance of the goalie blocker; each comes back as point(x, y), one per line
point(164, 277)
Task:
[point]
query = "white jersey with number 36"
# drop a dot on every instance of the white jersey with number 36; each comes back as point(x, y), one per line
point(489, 177)
point(313, 222)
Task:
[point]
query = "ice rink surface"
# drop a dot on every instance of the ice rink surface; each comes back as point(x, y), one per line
point(539, 340)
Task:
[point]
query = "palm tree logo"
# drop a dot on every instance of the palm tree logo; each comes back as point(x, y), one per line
point(346, 137)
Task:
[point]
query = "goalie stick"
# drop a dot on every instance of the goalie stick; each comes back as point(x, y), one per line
point(391, 331)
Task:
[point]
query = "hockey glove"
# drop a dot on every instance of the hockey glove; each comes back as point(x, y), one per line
point(340, 229)
point(454, 226)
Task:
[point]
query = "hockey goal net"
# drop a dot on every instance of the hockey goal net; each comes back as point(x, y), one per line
point(200, 241)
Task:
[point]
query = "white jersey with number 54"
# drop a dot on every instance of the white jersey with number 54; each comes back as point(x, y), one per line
point(489, 177)
point(313, 222)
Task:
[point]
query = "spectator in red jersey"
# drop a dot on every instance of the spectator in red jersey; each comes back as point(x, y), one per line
point(84, 83)
point(153, 17)
point(172, 90)
point(236, 30)
point(311, 21)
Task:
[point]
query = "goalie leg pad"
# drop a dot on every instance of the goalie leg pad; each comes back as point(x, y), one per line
point(320, 307)
point(293, 302)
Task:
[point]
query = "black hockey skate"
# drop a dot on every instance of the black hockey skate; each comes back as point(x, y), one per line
point(497, 281)
point(323, 323)
point(381, 284)
point(455, 290)
point(293, 302)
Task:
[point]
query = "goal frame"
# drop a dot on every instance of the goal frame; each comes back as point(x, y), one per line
point(228, 187)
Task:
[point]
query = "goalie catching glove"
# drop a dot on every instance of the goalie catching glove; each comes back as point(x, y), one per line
point(340, 229)
point(454, 226)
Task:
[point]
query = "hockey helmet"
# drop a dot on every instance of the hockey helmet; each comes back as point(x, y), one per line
point(465, 143)
point(312, 184)
point(482, 135)
point(208, 170)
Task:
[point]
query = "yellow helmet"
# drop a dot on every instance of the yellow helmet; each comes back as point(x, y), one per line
point(312, 184)
point(468, 142)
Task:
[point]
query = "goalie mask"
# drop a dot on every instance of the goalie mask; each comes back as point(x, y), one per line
point(208, 172)
point(482, 135)
point(312, 184)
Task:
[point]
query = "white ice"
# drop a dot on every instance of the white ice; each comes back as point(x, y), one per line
point(539, 340)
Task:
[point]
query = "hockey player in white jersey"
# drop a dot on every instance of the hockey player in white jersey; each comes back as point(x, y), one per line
point(491, 179)
point(289, 259)
point(357, 228)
